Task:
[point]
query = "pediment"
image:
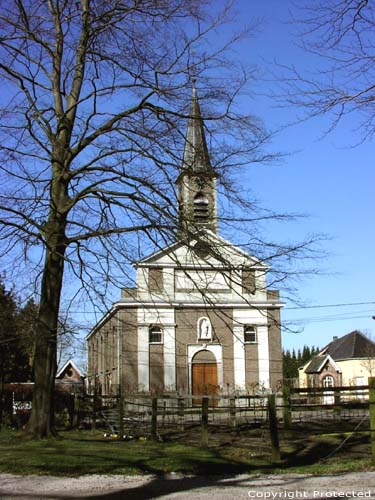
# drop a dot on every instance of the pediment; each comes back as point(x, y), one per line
point(207, 250)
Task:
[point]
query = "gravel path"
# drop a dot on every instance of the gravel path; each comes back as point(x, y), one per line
point(176, 487)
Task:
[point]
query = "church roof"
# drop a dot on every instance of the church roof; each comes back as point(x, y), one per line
point(196, 157)
point(352, 345)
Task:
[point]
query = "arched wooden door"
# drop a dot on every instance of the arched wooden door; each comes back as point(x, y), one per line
point(204, 377)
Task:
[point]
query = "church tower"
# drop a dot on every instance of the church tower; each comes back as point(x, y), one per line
point(197, 181)
point(201, 320)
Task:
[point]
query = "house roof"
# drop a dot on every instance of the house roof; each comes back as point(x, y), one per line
point(315, 364)
point(73, 365)
point(350, 346)
point(318, 362)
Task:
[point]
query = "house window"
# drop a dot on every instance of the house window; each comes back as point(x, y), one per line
point(200, 208)
point(155, 280)
point(328, 381)
point(250, 334)
point(155, 334)
point(248, 281)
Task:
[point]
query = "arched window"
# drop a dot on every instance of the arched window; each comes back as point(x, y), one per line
point(155, 334)
point(328, 396)
point(328, 381)
point(201, 208)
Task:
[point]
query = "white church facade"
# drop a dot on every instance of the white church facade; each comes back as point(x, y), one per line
point(200, 319)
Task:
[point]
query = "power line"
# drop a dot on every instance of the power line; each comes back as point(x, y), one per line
point(329, 305)
point(320, 319)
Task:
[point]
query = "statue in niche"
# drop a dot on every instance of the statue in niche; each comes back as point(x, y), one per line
point(204, 329)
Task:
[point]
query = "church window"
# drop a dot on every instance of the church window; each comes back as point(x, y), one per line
point(204, 329)
point(248, 281)
point(155, 280)
point(155, 334)
point(250, 334)
point(200, 208)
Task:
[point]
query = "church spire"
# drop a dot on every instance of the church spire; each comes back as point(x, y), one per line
point(197, 181)
point(196, 157)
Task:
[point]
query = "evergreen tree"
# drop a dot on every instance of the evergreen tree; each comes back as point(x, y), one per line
point(15, 337)
point(306, 354)
point(292, 361)
point(7, 331)
point(26, 319)
point(289, 364)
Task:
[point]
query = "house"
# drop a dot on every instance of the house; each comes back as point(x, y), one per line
point(70, 379)
point(201, 319)
point(17, 396)
point(348, 360)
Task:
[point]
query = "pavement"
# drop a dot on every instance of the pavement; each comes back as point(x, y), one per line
point(177, 487)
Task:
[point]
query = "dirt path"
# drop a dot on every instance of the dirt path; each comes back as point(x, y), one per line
point(177, 487)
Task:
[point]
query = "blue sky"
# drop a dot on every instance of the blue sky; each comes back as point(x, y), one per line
point(324, 178)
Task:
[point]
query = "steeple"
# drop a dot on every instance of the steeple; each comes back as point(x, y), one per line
point(197, 180)
point(196, 157)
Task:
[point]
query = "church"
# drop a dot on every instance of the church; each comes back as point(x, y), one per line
point(200, 320)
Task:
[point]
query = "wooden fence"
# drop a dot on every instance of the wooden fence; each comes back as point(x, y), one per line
point(346, 402)
point(155, 416)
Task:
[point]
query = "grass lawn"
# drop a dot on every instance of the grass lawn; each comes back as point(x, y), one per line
point(88, 452)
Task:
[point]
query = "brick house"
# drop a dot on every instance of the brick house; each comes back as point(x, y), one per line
point(347, 360)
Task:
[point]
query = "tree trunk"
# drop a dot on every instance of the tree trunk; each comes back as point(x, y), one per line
point(41, 422)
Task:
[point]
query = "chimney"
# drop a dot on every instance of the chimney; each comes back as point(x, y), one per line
point(335, 337)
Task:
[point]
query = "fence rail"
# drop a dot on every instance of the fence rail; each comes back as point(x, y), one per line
point(155, 416)
point(141, 414)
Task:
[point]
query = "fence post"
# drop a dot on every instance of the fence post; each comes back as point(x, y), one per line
point(164, 413)
point(205, 421)
point(121, 416)
point(76, 410)
point(232, 412)
point(154, 419)
point(337, 400)
point(272, 417)
point(181, 413)
point(371, 388)
point(94, 406)
point(287, 412)
point(1, 406)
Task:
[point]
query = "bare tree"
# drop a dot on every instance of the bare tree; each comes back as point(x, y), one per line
point(368, 361)
point(93, 116)
point(339, 35)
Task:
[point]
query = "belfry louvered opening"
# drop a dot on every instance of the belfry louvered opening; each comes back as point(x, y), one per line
point(201, 208)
